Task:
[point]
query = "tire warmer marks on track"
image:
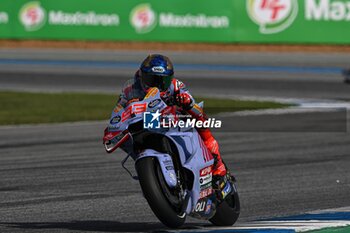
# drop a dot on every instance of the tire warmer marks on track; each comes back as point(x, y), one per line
point(328, 221)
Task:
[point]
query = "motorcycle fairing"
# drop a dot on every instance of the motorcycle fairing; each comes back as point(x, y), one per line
point(166, 164)
point(193, 154)
point(200, 205)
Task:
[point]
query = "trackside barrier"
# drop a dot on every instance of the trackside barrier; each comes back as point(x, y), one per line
point(225, 21)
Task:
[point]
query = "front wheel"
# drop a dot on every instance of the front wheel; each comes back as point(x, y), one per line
point(164, 204)
point(228, 211)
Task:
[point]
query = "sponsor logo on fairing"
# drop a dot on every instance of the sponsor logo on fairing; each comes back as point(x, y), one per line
point(226, 190)
point(205, 179)
point(118, 108)
point(208, 207)
point(205, 186)
point(115, 120)
point(169, 168)
point(154, 103)
point(205, 171)
point(205, 193)
point(200, 206)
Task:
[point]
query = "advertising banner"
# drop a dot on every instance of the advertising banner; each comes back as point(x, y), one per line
point(293, 21)
point(226, 21)
point(181, 20)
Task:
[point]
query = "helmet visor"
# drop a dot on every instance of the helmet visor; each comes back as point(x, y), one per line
point(161, 82)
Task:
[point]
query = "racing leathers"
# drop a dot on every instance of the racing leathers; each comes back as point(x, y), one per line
point(178, 94)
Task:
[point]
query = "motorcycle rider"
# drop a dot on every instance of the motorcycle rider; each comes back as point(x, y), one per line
point(157, 71)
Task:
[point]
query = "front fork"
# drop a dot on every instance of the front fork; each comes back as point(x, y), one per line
point(172, 174)
point(166, 164)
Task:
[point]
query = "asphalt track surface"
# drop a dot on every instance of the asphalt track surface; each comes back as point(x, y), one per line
point(280, 75)
point(56, 178)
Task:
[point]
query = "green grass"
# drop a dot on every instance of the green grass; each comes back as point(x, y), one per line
point(33, 108)
point(212, 105)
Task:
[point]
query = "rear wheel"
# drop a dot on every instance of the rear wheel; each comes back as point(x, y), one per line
point(163, 201)
point(228, 211)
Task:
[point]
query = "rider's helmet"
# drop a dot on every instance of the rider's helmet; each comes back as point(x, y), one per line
point(156, 71)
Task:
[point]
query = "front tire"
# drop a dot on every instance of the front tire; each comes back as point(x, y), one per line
point(228, 211)
point(151, 181)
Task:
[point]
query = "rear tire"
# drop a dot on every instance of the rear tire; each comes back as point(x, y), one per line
point(228, 211)
point(151, 182)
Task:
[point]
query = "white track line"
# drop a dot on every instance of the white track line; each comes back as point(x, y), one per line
point(296, 225)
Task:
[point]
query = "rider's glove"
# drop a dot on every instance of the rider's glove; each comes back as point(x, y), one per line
point(184, 100)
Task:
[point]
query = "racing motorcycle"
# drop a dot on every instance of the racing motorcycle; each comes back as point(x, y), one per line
point(173, 165)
